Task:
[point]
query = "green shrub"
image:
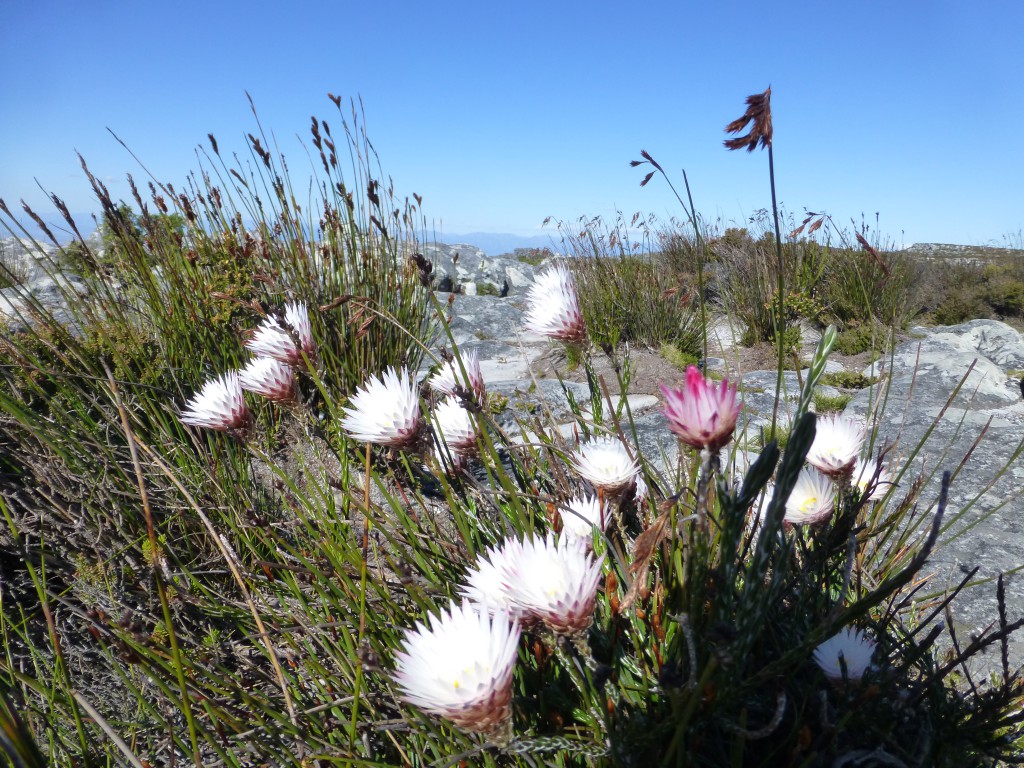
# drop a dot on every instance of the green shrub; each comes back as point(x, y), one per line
point(860, 338)
point(533, 256)
point(966, 290)
point(848, 380)
point(858, 289)
point(486, 289)
point(959, 305)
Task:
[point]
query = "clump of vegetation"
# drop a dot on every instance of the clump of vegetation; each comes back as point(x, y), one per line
point(969, 290)
point(861, 338)
point(830, 282)
point(626, 295)
point(848, 379)
point(831, 403)
point(677, 357)
point(10, 272)
point(533, 256)
point(484, 288)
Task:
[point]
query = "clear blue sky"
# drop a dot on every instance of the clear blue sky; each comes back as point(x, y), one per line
point(501, 114)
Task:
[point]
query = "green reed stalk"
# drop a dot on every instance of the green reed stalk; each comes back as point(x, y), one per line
point(780, 317)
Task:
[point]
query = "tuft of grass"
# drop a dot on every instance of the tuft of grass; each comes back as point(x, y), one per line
point(831, 403)
point(486, 289)
point(861, 338)
point(848, 380)
point(10, 273)
point(533, 256)
point(626, 294)
point(678, 358)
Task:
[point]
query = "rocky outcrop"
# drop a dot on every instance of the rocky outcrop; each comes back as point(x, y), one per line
point(466, 269)
point(39, 283)
point(976, 433)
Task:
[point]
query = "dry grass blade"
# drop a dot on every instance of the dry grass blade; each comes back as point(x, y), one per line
point(875, 255)
point(643, 551)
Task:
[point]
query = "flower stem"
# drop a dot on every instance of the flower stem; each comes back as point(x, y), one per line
point(779, 319)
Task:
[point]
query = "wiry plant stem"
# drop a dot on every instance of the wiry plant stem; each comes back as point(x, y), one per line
point(780, 323)
point(692, 213)
point(363, 568)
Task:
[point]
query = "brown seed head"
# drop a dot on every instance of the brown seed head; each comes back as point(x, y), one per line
point(759, 112)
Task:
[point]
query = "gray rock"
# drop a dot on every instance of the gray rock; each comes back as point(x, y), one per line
point(985, 503)
point(487, 318)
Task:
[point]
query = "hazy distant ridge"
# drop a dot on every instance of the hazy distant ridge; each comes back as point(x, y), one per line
point(495, 243)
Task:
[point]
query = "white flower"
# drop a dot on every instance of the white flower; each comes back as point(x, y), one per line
point(582, 514)
point(220, 405)
point(812, 499)
point(553, 308)
point(455, 426)
point(270, 378)
point(555, 583)
point(449, 376)
point(838, 440)
point(851, 646)
point(385, 411)
point(604, 462)
point(461, 667)
point(272, 339)
point(485, 584)
point(864, 474)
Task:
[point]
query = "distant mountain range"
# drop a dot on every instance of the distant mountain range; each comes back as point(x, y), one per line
point(496, 243)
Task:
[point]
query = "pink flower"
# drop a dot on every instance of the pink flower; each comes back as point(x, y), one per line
point(553, 308)
point(702, 415)
point(219, 405)
point(270, 378)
